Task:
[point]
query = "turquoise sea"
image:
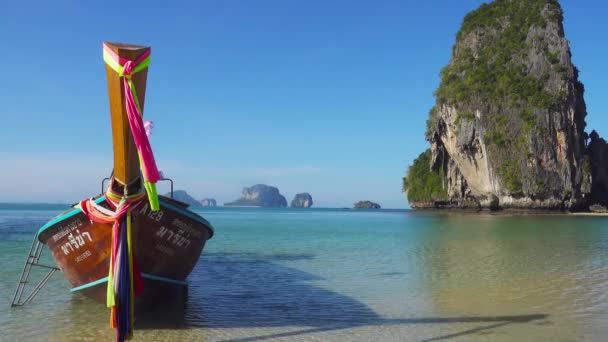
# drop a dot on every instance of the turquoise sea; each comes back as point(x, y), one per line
point(346, 275)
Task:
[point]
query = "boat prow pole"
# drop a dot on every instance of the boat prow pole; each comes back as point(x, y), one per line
point(126, 175)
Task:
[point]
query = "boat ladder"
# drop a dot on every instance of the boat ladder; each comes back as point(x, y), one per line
point(33, 260)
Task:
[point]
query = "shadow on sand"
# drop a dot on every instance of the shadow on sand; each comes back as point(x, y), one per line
point(250, 290)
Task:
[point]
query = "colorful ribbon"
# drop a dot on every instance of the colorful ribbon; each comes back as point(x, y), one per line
point(124, 278)
point(126, 69)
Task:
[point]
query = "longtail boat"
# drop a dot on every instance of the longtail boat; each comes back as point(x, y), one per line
point(128, 241)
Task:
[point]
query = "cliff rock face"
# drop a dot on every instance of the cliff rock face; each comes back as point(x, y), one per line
point(303, 200)
point(209, 202)
point(507, 129)
point(182, 196)
point(366, 205)
point(260, 195)
point(598, 165)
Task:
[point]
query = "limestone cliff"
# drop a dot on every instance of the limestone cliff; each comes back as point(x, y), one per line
point(303, 200)
point(597, 164)
point(507, 129)
point(209, 202)
point(183, 196)
point(260, 195)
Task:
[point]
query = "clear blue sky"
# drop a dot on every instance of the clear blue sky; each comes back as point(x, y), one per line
point(328, 97)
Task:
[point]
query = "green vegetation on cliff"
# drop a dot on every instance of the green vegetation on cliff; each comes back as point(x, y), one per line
point(489, 15)
point(422, 184)
point(495, 73)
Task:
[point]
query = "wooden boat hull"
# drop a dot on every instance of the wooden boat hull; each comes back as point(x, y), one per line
point(167, 245)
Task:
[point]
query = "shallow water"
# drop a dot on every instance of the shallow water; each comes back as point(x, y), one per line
point(344, 275)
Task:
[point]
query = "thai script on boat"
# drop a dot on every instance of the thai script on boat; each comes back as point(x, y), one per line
point(184, 226)
point(155, 215)
point(165, 249)
point(75, 242)
point(67, 229)
point(84, 255)
point(176, 239)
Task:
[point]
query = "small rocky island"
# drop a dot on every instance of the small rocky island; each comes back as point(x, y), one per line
point(366, 205)
point(508, 126)
point(209, 202)
point(260, 195)
point(182, 196)
point(303, 200)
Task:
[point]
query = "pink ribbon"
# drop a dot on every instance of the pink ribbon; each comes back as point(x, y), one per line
point(139, 133)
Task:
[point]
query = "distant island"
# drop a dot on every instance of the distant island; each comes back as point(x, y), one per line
point(182, 196)
point(260, 195)
point(508, 126)
point(366, 205)
point(209, 202)
point(303, 200)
